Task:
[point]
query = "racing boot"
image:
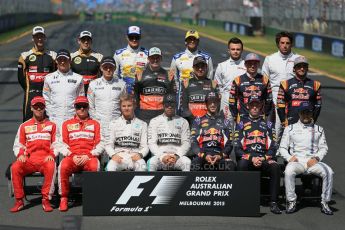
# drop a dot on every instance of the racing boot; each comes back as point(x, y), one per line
point(46, 205)
point(326, 209)
point(274, 207)
point(290, 207)
point(63, 204)
point(18, 206)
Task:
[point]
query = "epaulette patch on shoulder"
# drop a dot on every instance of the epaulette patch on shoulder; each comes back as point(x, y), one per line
point(26, 54)
point(214, 84)
point(176, 56)
point(98, 56)
point(117, 52)
point(74, 54)
point(285, 84)
point(139, 76)
point(206, 55)
point(317, 85)
point(171, 74)
point(144, 50)
point(185, 82)
point(52, 54)
point(237, 80)
point(265, 79)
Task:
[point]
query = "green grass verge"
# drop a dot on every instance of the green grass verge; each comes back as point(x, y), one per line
point(18, 32)
point(265, 45)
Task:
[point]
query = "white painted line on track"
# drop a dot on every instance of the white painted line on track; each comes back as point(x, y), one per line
point(8, 69)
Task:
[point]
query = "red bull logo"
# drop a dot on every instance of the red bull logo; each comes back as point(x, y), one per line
point(252, 88)
point(212, 131)
point(300, 90)
point(255, 133)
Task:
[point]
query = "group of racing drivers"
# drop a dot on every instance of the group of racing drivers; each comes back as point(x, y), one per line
point(146, 118)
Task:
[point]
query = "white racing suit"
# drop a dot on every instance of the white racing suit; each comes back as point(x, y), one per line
point(59, 91)
point(130, 62)
point(104, 102)
point(166, 136)
point(126, 139)
point(182, 65)
point(224, 76)
point(278, 67)
point(305, 142)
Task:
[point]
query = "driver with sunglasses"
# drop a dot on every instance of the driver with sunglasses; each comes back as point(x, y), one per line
point(81, 146)
point(132, 59)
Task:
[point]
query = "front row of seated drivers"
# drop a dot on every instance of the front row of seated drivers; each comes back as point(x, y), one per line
point(169, 140)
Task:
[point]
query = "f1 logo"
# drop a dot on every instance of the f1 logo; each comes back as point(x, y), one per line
point(164, 190)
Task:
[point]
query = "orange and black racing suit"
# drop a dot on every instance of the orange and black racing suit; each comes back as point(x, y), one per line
point(194, 93)
point(149, 88)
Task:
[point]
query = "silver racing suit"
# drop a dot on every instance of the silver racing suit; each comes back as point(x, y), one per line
point(127, 138)
point(169, 136)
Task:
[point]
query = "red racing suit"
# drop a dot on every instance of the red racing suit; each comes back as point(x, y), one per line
point(36, 140)
point(79, 137)
point(33, 66)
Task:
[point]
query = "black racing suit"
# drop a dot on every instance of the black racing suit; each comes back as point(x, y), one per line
point(87, 65)
point(256, 138)
point(33, 66)
point(212, 135)
point(194, 93)
point(149, 88)
point(243, 87)
point(292, 93)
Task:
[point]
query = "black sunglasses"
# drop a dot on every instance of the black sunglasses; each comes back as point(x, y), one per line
point(302, 65)
point(36, 107)
point(133, 37)
point(80, 106)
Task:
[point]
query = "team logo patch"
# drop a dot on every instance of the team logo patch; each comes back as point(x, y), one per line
point(72, 81)
point(72, 127)
point(47, 128)
point(90, 127)
point(32, 58)
point(31, 129)
point(77, 60)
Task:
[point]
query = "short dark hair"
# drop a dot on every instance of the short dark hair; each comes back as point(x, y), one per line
point(235, 40)
point(283, 34)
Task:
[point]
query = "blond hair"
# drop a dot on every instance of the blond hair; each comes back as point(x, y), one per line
point(127, 97)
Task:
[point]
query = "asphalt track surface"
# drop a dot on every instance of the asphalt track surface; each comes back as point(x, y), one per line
point(108, 38)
